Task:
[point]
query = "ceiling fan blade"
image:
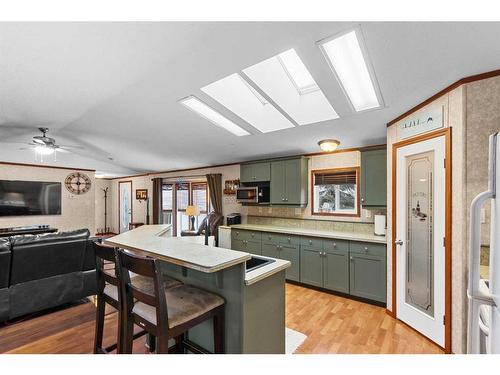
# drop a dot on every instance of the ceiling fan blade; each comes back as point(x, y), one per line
point(15, 143)
point(68, 147)
point(60, 149)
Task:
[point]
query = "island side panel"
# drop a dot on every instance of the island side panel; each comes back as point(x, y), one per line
point(231, 288)
point(264, 316)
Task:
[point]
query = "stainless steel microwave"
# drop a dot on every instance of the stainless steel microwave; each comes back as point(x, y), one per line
point(253, 194)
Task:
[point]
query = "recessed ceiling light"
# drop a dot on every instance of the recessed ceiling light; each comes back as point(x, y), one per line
point(350, 66)
point(328, 145)
point(196, 105)
point(297, 72)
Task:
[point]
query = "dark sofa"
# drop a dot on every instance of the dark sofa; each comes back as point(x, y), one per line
point(38, 272)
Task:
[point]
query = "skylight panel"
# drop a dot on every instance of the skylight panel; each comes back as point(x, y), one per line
point(297, 72)
point(243, 100)
point(196, 105)
point(285, 79)
point(346, 59)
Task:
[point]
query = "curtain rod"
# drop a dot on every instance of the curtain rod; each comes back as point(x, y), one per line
point(178, 177)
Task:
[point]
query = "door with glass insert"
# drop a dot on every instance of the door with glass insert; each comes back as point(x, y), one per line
point(420, 231)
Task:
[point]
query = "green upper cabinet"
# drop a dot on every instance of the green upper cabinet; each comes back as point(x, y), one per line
point(374, 178)
point(289, 182)
point(255, 172)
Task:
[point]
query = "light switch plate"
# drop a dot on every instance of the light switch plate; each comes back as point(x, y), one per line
point(368, 214)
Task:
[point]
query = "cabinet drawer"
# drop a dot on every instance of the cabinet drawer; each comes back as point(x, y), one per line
point(278, 238)
point(312, 242)
point(368, 249)
point(333, 245)
point(248, 235)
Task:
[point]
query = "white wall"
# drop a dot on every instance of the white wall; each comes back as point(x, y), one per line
point(77, 211)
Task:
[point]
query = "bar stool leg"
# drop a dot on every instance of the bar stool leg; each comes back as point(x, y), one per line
point(218, 322)
point(128, 334)
point(99, 325)
point(162, 341)
point(179, 344)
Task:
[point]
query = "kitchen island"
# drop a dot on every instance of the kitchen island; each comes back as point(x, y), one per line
point(255, 298)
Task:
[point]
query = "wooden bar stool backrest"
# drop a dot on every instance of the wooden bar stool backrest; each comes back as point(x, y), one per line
point(105, 275)
point(146, 267)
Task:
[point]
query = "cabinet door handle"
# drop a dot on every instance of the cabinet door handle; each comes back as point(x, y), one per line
point(362, 199)
point(366, 249)
point(310, 242)
point(334, 244)
point(351, 258)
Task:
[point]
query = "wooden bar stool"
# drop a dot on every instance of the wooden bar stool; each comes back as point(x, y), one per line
point(108, 292)
point(166, 313)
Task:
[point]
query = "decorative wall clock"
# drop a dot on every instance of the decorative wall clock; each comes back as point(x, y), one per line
point(78, 183)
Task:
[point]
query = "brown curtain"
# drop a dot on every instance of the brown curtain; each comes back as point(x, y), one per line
point(214, 181)
point(157, 200)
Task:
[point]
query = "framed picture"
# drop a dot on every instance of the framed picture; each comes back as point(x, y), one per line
point(141, 194)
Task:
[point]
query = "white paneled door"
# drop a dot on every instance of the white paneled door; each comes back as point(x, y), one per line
point(420, 233)
point(125, 201)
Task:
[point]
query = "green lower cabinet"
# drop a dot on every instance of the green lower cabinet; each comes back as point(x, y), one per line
point(368, 276)
point(237, 245)
point(292, 254)
point(252, 247)
point(336, 271)
point(270, 250)
point(311, 266)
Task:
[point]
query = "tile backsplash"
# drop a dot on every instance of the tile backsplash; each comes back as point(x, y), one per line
point(337, 226)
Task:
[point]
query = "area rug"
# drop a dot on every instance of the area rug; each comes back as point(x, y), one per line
point(293, 340)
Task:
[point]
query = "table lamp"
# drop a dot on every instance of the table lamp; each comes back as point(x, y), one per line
point(192, 211)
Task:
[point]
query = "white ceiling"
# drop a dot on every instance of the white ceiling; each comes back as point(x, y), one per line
point(113, 87)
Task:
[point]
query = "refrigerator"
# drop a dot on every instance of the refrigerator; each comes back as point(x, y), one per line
point(483, 335)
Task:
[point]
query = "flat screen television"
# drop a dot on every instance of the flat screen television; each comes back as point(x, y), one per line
point(22, 198)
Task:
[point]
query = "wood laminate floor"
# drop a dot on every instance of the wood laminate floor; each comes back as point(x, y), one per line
point(332, 324)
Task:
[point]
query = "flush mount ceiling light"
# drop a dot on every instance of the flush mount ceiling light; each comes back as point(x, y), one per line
point(328, 145)
point(346, 57)
point(196, 105)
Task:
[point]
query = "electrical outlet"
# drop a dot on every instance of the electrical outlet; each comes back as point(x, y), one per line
point(269, 210)
point(260, 210)
point(368, 214)
point(298, 211)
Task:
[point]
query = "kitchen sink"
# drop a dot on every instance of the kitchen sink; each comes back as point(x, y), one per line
point(255, 262)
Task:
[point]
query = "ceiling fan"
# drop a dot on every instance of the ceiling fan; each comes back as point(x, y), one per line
point(44, 145)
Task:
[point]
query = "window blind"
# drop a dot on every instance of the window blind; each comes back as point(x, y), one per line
point(335, 178)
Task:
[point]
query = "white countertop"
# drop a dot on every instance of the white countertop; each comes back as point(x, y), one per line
point(190, 252)
point(156, 241)
point(352, 236)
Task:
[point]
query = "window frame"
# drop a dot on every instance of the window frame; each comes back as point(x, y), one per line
point(358, 189)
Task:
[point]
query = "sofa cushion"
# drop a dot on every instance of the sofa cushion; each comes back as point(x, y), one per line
point(46, 255)
point(4, 304)
point(5, 255)
point(37, 295)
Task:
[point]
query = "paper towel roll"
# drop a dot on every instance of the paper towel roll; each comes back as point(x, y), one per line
point(380, 225)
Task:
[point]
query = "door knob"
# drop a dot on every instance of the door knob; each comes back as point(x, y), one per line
point(399, 242)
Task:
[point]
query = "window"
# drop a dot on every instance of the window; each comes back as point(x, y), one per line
point(167, 197)
point(335, 192)
point(199, 196)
